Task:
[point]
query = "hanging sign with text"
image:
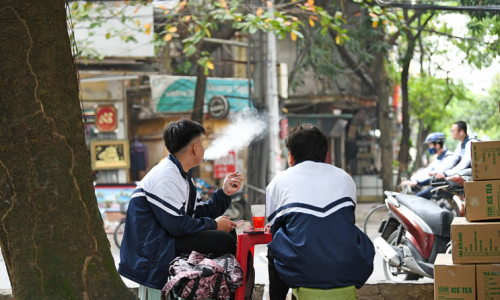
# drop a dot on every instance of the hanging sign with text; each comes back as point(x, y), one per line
point(225, 165)
point(105, 118)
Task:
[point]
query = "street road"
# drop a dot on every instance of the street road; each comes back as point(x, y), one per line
point(260, 262)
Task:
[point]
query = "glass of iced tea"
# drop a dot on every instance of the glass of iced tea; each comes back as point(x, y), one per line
point(258, 216)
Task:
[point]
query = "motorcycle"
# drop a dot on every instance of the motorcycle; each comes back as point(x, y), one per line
point(417, 230)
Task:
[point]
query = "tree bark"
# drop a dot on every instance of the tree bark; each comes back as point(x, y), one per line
point(404, 146)
point(199, 95)
point(420, 141)
point(384, 119)
point(199, 101)
point(51, 232)
point(226, 31)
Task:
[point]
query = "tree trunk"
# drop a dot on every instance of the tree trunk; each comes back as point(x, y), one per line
point(404, 147)
point(420, 147)
point(199, 95)
point(199, 103)
point(404, 151)
point(385, 120)
point(51, 233)
point(165, 65)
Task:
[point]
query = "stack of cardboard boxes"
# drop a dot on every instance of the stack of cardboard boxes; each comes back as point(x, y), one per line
point(472, 271)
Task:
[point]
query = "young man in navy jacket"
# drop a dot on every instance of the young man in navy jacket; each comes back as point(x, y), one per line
point(310, 212)
point(167, 217)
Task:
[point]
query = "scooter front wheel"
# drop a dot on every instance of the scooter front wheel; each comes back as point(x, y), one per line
point(393, 273)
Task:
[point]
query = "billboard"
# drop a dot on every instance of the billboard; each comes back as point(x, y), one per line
point(225, 165)
point(176, 93)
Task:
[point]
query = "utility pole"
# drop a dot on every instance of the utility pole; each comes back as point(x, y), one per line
point(262, 156)
point(272, 103)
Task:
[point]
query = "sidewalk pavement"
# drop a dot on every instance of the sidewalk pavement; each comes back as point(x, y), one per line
point(362, 210)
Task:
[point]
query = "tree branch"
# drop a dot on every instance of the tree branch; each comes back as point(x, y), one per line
point(449, 35)
point(394, 37)
point(449, 99)
point(349, 61)
point(423, 26)
point(299, 59)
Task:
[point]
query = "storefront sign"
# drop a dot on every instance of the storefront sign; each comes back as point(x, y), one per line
point(283, 128)
point(218, 107)
point(105, 118)
point(109, 154)
point(176, 93)
point(225, 165)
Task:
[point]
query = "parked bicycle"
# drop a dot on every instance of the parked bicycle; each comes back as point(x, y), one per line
point(381, 211)
point(120, 229)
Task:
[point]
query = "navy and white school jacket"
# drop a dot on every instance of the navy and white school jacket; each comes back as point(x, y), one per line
point(316, 244)
point(156, 215)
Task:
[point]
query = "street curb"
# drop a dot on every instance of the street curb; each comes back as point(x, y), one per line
point(383, 290)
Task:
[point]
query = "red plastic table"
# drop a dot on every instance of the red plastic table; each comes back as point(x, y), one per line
point(246, 242)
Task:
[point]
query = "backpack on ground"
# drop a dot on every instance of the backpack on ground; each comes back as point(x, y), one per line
point(199, 276)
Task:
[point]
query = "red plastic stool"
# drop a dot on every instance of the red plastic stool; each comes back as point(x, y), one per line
point(246, 242)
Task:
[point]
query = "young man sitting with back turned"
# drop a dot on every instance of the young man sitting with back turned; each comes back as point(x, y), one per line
point(310, 210)
point(167, 217)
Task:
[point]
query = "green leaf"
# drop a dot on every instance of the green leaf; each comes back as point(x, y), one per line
point(298, 33)
point(207, 32)
point(252, 29)
point(324, 31)
point(191, 50)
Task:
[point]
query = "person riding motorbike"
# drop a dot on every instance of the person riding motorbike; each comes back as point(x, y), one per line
point(461, 157)
point(435, 143)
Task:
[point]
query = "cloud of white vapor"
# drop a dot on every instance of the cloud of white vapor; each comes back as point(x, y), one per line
point(244, 127)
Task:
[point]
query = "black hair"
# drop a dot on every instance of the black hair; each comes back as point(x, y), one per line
point(461, 126)
point(306, 142)
point(179, 134)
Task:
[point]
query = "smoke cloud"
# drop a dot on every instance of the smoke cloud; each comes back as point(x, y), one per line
point(244, 127)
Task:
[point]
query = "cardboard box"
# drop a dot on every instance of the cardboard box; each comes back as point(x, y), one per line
point(485, 160)
point(482, 200)
point(475, 242)
point(488, 282)
point(451, 281)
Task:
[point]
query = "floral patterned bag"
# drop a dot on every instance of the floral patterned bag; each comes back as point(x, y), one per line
point(198, 276)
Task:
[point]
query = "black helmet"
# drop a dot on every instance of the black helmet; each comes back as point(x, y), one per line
point(435, 137)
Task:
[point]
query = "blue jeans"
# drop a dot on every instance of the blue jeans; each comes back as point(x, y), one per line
point(425, 193)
